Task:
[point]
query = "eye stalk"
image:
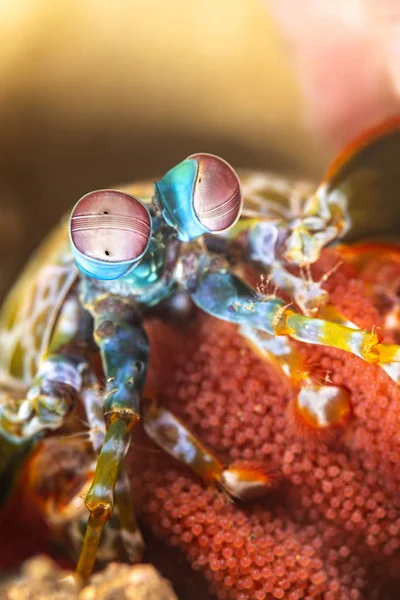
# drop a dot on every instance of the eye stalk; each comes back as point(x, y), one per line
point(200, 195)
point(109, 233)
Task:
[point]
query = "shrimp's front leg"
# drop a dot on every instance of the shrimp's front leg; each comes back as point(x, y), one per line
point(242, 480)
point(220, 293)
point(124, 349)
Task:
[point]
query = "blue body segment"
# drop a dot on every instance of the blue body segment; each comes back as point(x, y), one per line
point(150, 268)
point(176, 191)
point(148, 283)
point(224, 296)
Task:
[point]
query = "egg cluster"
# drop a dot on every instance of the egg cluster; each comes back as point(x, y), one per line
point(330, 527)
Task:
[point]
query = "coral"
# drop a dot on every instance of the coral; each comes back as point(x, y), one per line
point(42, 579)
point(331, 528)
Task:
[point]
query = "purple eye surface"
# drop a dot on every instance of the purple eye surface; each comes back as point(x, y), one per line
point(217, 197)
point(110, 226)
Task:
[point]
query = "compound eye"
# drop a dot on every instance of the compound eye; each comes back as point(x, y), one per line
point(217, 197)
point(110, 232)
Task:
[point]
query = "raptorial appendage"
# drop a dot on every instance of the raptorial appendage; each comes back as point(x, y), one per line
point(241, 480)
point(320, 407)
point(217, 291)
point(123, 345)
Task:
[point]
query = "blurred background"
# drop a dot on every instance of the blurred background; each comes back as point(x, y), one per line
point(98, 92)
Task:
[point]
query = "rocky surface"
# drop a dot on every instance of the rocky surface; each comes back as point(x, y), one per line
point(42, 579)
